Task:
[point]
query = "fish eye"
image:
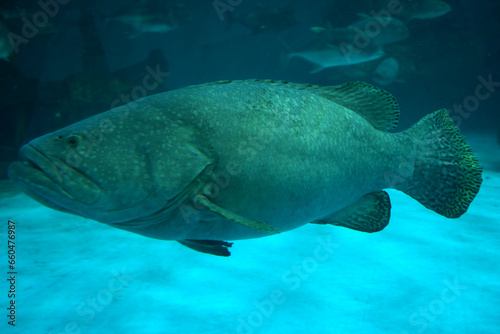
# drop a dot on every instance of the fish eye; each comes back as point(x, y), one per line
point(73, 140)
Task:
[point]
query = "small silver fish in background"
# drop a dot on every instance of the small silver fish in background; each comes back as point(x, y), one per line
point(6, 48)
point(425, 9)
point(354, 44)
point(149, 16)
point(389, 30)
point(327, 49)
point(380, 30)
point(325, 55)
point(386, 72)
point(236, 160)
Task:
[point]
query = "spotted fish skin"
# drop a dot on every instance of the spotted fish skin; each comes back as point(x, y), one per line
point(245, 159)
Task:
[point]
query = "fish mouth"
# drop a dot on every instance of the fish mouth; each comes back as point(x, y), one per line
point(52, 181)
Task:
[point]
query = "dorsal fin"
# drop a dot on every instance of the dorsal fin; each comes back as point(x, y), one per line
point(262, 81)
point(376, 105)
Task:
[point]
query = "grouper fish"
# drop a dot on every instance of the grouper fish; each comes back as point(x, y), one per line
point(229, 160)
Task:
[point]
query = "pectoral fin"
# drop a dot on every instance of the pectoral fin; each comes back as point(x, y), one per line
point(214, 247)
point(370, 214)
point(250, 223)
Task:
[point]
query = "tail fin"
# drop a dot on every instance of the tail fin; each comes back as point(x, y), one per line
point(446, 175)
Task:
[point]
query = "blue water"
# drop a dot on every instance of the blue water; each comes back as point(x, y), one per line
point(422, 274)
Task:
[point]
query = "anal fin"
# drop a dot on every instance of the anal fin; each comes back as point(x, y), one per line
point(370, 214)
point(214, 247)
